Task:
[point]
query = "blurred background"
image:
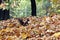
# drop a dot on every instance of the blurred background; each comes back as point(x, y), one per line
point(22, 8)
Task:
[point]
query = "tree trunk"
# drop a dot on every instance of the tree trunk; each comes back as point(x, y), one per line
point(4, 14)
point(1, 14)
point(0, 1)
point(33, 7)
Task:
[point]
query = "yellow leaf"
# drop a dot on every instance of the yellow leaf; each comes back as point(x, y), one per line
point(9, 38)
point(56, 34)
point(47, 26)
point(54, 1)
point(24, 35)
point(0, 36)
point(7, 29)
point(42, 23)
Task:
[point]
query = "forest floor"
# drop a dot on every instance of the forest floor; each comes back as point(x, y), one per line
point(31, 28)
